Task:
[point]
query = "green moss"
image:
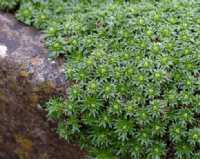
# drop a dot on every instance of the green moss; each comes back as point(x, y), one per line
point(8, 4)
point(134, 68)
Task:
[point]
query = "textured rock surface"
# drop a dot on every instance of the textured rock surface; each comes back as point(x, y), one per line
point(28, 77)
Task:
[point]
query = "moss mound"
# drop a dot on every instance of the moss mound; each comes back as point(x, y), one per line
point(134, 66)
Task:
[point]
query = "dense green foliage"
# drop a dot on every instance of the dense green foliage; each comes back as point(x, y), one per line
point(135, 74)
point(8, 4)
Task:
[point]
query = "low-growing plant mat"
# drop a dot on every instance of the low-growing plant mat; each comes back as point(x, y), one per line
point(134, 68)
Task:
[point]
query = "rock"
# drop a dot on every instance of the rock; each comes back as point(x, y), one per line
point(28, 78)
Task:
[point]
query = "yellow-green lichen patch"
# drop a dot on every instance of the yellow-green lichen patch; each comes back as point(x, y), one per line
point(24, 147)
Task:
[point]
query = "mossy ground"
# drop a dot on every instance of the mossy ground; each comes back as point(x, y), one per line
point(134, 67)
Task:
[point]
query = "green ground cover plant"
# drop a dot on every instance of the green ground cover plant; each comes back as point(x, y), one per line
point(134, 69)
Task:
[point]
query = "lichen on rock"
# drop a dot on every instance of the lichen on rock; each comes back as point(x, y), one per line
point(3, 51)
